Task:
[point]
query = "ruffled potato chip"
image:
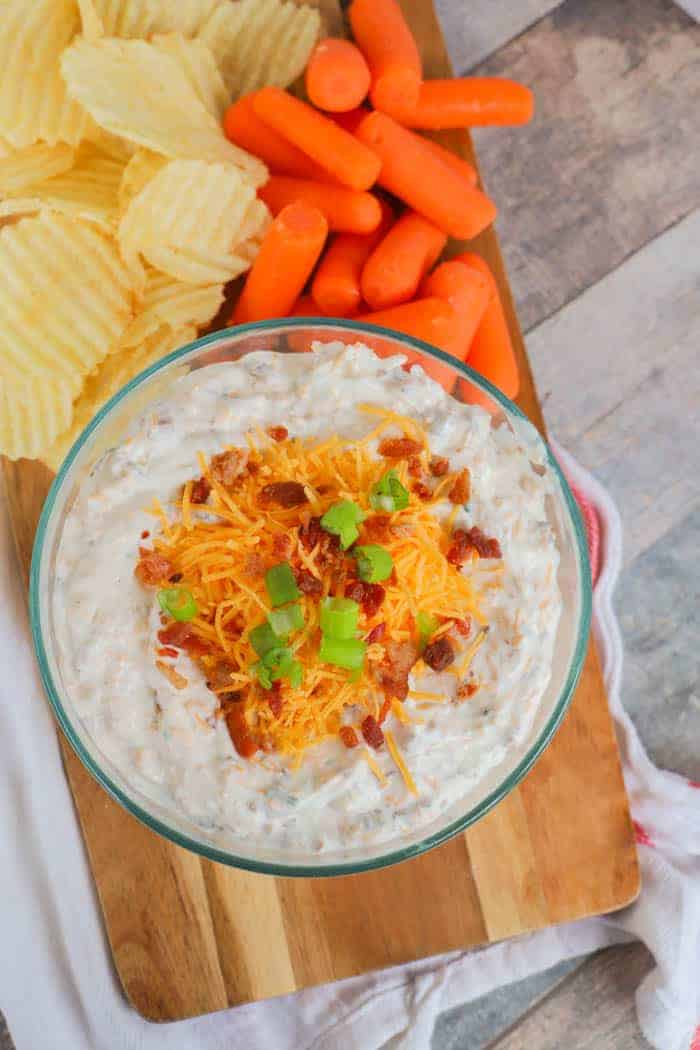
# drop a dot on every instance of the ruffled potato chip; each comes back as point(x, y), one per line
point(198, 64)
point(34, 104)
point(170, 302)
point(139, 19)
point(32, 415)
point(22, 168)
point(66, 297)
point(133, 89)
point(194, 221)
point(117, 370)
point(141, 168)
point(261, 42)
point(88, 191)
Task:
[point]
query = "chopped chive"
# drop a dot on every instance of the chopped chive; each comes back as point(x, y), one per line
point(374, 563)
point(263, 638)
point(178, 603)
point(285, 620)
point(281, 585)
point(389, 494)
point(339, 617)
point(342, 652)
point(342, 520)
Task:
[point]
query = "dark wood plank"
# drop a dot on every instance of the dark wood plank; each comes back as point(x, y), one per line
point(608, 162)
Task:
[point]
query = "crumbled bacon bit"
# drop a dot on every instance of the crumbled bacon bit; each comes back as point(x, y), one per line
point(463, 627)
point(439, 654)
point(372, 732)
point(200, 490)
point(274, 702)
point(278, 433)
point(473, 541)
point(461, 488)
point(376, 634)
point(384, 710)
point(167, 650)
point(392, 674)
point(145, 534)
point(238, 730)
point(175, 679)
point(175, 578)
point(348, 735)
point(466, 690)
point(253, 467)
point(284, 494)
point(254, 564)
point(377, 529)
point(282, 545)
point(227, 466)
point(399, 448)
point(415, 468)
point(422, 491)
point(439, 466)
point(307, 583)
point(310, 533)
point(368, 595)
point(152, 568)
point(219, 676)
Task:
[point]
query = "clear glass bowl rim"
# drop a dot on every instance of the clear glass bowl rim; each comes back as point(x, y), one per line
point(393, 856)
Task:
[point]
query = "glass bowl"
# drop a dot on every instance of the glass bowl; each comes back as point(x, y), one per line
point(109, 426)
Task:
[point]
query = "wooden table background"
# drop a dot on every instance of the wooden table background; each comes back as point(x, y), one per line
point(600, 224)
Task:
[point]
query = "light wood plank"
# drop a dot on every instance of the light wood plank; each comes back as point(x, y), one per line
point(593, 1009)
point(633, 413)
point(505, 870)
point(475, 31)
point(248, 919)
point(607, 163)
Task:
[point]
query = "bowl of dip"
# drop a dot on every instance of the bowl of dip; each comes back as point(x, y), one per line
point(309, 597)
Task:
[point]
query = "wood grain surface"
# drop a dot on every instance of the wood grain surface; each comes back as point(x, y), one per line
point(189, 937)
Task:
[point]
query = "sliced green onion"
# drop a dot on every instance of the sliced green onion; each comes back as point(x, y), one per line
point(388, 494)
point(374, 563)
point(263, 638)
point(342, 652)
point(355, 675)
point(339, 617)
point(281, 585)
point(285, 620)
point(275, 664)
point(342, 520)
point(178, 603)
point(427, 626)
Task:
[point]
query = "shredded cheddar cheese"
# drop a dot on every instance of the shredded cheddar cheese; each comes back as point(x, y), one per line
point(221, 550)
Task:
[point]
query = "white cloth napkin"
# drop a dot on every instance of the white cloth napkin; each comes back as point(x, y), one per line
point(57, 984)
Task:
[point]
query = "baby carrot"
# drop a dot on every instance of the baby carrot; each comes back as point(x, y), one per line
point(491, 352)
point(346, 211)
point(431, 320)
point(394, 270)
point(413, 173)
point(337, 76)
point(468, 103)
point(288, 254)
point(467, 290)
point(244, 128)
point(462, 167)
point(387, 43)
point(304, 307)
point(336, 286)
point(349, 121)
point(351, 162)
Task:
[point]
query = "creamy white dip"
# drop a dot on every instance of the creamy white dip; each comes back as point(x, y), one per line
point(168, 739)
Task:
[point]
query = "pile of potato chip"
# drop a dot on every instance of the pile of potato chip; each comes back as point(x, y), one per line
point(124, 209)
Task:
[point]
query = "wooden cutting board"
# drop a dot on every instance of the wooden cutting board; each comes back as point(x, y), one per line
point(189, 937)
